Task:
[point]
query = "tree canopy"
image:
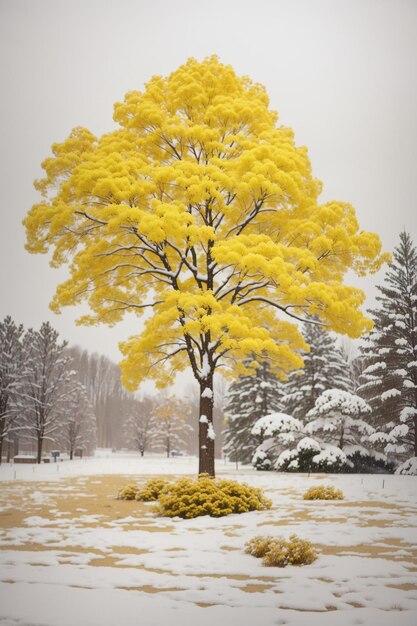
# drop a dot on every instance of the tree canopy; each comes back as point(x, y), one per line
point(202, 209)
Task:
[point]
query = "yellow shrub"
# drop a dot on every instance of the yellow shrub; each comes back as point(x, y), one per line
point(258, 546)
point(128, 493)
point(323, 492)
point(151, 490)
point(280, 552)
point(190, 498)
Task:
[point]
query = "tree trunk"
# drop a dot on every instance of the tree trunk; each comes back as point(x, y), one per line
point(142, 452)
point(71, 454)
point(39, 456)
point(1, 448)
point(415, 435)
point(205, 428)
point(341, 440)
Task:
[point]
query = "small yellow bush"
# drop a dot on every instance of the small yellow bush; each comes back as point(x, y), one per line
point(258, 546)
point(323, 492)
point(128, 493)
point(280, 552)
point(151, 490)
point(189, 498)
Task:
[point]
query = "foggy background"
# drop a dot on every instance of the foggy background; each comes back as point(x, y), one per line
point(341, 73)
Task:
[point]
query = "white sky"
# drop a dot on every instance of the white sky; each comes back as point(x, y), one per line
point(341, 73)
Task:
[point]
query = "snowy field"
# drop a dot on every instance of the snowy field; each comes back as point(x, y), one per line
point(71, 554)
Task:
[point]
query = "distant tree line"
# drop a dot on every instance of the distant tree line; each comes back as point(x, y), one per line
point(52, 395)
point(41, 399)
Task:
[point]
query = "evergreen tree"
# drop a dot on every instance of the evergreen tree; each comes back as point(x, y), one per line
point(10, 377)
point(389, 380)
point(338, 418)
point(325, 367)
point(248, 399)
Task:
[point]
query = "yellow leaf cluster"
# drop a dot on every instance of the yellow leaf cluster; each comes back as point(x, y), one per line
point(200, 208)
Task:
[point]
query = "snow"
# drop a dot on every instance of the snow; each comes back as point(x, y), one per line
point(375, 367)
point(399, 431)
point(205, 367)
point(210, 432)
point(184, 572)
point(307, 443)
point(203, 419)
point(207, 393)
point(276, 423)
point(341, 401)
point(390, 393)
point(407, 412)
point(331, 454)
point(409, 467)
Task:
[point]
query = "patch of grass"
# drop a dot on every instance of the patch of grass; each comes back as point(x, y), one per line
point(323, 492)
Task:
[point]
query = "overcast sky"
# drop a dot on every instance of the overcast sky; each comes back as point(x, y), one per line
point(341, 73)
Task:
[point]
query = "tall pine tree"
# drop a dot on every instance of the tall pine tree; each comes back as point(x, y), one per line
point(325, 367)
point(248, 399)
point(389, 381)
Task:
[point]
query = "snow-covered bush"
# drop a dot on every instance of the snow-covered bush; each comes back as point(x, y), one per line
point(299, 459)
point(331, 460)
point(409, 467)
point(278, 431)
point(261, 459)
point(323, 492)
point(189, 498)
point(280, 552)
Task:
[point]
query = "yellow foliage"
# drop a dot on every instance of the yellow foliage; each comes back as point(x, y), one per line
point(151, 490)
point(190, 498)
point(323, 492)
point(200, 208)
point(279, 552)
point(128, 493)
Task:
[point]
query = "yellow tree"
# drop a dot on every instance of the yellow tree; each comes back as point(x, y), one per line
point(200, 209)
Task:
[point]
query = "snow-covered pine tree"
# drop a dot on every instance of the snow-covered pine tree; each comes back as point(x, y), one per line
point(10, 377)
point(325, 367)
point(45, 385)
point(248, 399)
point(389, 381)
point(337, 422)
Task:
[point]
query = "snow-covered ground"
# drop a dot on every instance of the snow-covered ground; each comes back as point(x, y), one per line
point(70, 554)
